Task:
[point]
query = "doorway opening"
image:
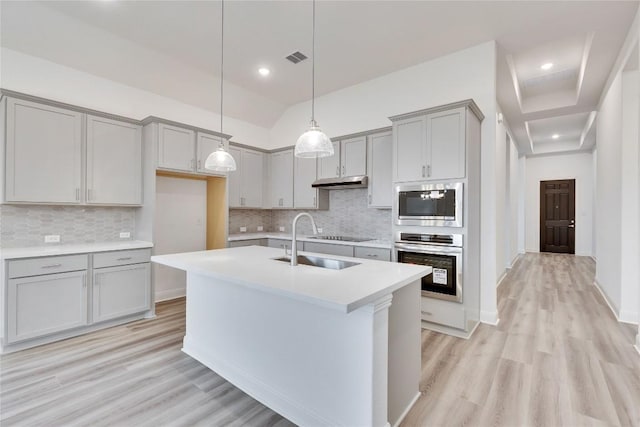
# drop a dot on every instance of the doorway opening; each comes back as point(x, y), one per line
point(557, 216)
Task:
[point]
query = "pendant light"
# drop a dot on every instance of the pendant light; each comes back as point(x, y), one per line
point(220, 160)
point(313, 143)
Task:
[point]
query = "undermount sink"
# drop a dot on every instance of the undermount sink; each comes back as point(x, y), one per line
point(334, 264)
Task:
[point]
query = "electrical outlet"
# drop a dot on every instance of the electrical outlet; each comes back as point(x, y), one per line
point(260, 228)
point(319, 230)
point(125, 235)
point(281, 228)
point(243, 229)
point(52, 238)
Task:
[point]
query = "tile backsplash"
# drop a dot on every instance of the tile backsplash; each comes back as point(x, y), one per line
point(348, 215)
point(22, 226)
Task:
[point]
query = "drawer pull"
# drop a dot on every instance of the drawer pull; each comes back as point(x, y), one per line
point(428, 313)
point(127, 258)
point(52, 266)
point(372, 255)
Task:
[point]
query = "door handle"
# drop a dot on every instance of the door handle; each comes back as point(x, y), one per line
point(572, 226)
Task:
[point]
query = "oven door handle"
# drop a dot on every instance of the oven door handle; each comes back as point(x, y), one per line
point(429, 249)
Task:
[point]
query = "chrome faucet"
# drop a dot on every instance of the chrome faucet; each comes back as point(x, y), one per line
point(294, 243)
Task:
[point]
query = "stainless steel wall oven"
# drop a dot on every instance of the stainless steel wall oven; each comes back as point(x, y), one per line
point(443, 252)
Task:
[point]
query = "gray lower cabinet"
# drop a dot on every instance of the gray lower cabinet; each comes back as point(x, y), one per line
point(379, 254)
point(45, 304)
point(282, 243)
point(328, 248)
point(250, 242)
point(120, 291)
point(49, 296)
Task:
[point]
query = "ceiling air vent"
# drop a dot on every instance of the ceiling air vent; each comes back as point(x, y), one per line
point(296, 57)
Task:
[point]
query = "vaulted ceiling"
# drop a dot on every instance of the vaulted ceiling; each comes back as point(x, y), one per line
point(173, 48)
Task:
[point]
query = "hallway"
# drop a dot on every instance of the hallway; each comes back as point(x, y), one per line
point(557, 358)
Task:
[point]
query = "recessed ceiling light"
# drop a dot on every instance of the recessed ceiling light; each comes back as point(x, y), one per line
point(264, 71)
point(555, 136)
point(546, 66)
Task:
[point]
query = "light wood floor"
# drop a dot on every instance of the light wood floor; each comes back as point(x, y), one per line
point(557, 358)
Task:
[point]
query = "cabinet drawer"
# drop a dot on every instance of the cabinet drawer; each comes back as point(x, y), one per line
point(444, 312)
point(280, 244)
point(250, 242)
point(115, 258)
point(373, 253)
point(46, 265)
point(327, 248)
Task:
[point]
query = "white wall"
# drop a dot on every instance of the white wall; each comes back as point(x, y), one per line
point(561, 166)
point(180, 226)
point(522, 197)
point(469, 73)
point(608, 176)
point(630, 279)
point(35, 76)
point(502, 189)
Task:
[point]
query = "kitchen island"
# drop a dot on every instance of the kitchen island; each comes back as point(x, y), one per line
point(317, 345)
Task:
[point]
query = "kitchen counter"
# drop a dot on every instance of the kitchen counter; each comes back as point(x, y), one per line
point(344, 290)
point(377, 243)
point(321, 347)
point(67, 249)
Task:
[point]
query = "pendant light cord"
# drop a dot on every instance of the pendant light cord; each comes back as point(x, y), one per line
point(221, 66)
point(313, 66)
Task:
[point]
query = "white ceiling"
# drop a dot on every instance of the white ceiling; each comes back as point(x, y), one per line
point(172, 47)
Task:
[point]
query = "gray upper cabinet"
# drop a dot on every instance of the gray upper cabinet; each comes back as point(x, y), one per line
point(176, 148)
point(281, 165)
point(205, 145)
point(246, 182)
point(353, 156)
point(43, 153)
point(379, 153)
point(430, 146)
point(305, 196)
point(349, 159)
point(114, 162)
point(329, 167)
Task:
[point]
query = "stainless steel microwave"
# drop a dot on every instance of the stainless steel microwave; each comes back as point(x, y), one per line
point(429, 204)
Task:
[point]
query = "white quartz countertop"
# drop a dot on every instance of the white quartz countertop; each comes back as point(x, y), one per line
point(79, 248)
point(383, 244)
point(254, 267)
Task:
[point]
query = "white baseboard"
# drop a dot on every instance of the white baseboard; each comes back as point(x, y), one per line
point(637, 346)
point(489, 318)
point(606, 299)
point(169, 294)
point(408, 408)
point(593, 258)
point(504, 274)
point(628, 317)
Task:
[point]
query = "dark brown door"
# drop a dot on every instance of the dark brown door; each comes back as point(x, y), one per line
point(557, 216)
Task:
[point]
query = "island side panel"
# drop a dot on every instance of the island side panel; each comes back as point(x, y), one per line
point(404, 351)
point(313, 365)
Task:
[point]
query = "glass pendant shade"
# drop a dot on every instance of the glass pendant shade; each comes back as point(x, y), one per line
point(313, 143)
point(220, 161)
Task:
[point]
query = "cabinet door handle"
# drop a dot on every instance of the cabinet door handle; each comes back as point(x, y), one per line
point(52, 266)
point(423, 173)
point(428, 170)
point(77, 194)
point(314, 201)
point(344, 170)
point(337, 170)
point(369, 198)
point(199, 164)
point(124, 258)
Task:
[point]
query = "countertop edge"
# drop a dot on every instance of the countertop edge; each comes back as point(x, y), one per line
point(71, 249)
point(376, 243)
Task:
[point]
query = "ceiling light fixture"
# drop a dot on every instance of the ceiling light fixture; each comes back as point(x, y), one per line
point(313, 143)
point(547, 66)
point(555, 136)
point(220, 160)
point(263, 71)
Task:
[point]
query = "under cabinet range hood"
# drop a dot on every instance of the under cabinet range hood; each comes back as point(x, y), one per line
point(342, 182)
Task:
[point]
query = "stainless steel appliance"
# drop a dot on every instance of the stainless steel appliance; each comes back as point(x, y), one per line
point(429, 204)
point(443, 252)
